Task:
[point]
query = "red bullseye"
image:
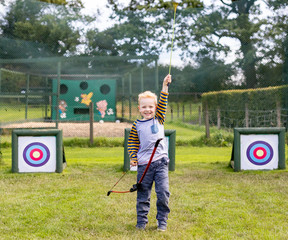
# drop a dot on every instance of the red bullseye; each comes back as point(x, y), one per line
point(259, 153)
point(36, 154)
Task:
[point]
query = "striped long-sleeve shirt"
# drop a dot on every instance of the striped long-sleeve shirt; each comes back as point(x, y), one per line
point(142, 138)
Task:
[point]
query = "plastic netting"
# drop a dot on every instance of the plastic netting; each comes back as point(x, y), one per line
point(58, 66)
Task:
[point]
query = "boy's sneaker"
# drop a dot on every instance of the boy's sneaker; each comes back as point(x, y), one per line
point(161, 227)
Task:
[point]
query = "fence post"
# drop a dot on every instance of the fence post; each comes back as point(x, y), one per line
point(0, 146)
point(142, 79)
point(91, 112)
point(130, 96)
point(171, 114)
point(123, 94)
point(183, 115)
point(191, 112)
point(278, 110)
point(58, 93)
point(46, 98)
point(26, 96)
point(0, 79)
point(199, 116)
point(218, 118)
point(207, 121)
point(156, 76)
point(246, 115)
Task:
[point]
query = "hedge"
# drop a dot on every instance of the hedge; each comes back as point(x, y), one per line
point(232, 103)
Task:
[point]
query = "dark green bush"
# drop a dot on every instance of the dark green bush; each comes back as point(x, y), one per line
point(232, 103)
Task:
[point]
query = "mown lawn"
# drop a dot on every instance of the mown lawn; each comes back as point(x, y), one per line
point(208, 200)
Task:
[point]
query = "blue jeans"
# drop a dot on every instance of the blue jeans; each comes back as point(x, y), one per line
point(157, 172)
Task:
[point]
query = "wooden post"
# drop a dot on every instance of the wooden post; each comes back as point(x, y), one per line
point(91, 113)
point(156, 76)
point(142, 79)
point(199, 116)
point(123, 98)
point(26, 96)
point(191, 112)
point(46, 98)
point(246, 115)
point(278, 110)
point(0, 79)
point(183, 111)
point(218, 118)
point(207, 121)
point(130, 96)
point(58, 93)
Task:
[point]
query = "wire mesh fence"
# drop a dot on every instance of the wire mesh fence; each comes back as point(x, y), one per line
point(267, 118)
point(57, 67)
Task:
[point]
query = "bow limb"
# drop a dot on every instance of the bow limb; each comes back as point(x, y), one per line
point(109, 192)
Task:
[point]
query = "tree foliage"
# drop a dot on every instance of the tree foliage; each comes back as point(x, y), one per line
point(205, 34)
point(71, 3)
point(33, 29)
point(207, 31)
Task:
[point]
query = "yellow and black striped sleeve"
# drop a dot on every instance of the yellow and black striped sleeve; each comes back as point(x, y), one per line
point(162, 107)
point(133, 143)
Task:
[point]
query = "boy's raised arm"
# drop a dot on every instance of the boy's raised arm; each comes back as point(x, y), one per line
point(167, 80)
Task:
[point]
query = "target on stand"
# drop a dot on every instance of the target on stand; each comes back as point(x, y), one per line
point(259, 153)
point(258, 149)
point(35, 150)
point(36, 154)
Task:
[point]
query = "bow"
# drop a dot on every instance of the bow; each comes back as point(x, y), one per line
point(136, 186)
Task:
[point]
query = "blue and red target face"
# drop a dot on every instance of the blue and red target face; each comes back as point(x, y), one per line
point(36, 154)
point(259, 153)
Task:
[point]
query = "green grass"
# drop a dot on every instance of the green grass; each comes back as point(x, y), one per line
point(208, 200)
point(11, 112)
point(17, 112)
point(186, 131)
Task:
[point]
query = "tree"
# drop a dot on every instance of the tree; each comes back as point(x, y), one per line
point(208, 30)
point(279, 35)
point(71, 3)
point(34, 29)
point(145, 28)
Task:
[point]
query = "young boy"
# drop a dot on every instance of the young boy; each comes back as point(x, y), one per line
point(144, 133)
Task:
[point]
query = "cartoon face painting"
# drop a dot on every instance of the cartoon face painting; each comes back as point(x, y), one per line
point(102, 107)
point(62, 108)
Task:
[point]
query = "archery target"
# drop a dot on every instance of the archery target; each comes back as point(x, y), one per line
point(37, 154)
point(259, 151)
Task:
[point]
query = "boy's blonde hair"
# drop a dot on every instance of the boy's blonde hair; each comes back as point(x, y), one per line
point(147, 94)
